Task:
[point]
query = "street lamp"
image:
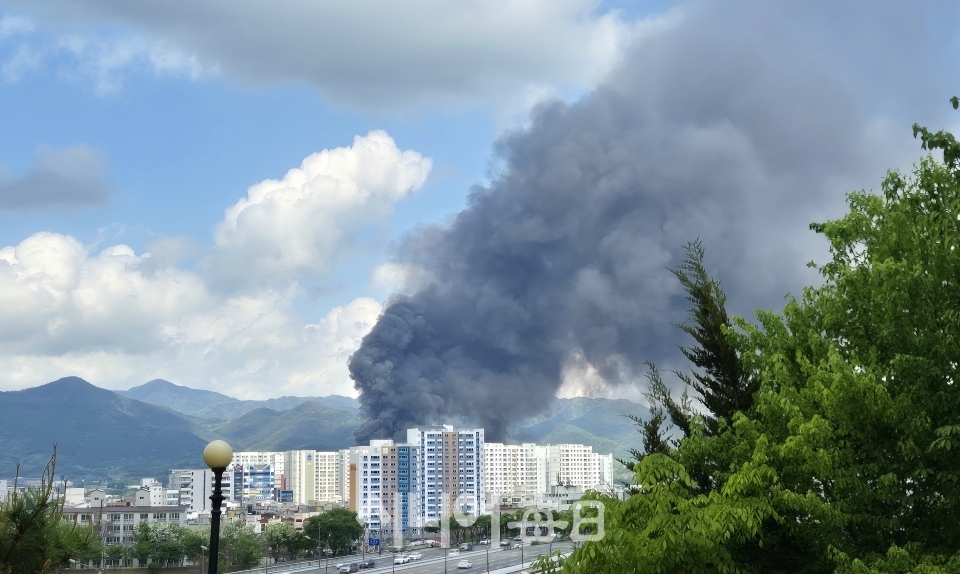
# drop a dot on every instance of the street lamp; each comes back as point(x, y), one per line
point(318, 548)
point(217, 455)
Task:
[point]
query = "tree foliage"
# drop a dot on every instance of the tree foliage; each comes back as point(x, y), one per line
point(240, 545)
point(34, 536)
point(168, 544)
point(848, 458)
point(337, 528)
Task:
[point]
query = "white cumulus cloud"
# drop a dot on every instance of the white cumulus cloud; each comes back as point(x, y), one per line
point(120, 318)
point(303, 224)
point(112, 318)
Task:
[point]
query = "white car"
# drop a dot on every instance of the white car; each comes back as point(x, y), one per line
point(415, 556)
point(464, 564)
point(401, 559)
point(517, 545)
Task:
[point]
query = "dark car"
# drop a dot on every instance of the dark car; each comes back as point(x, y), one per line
point(505, 542)
point(367, 563)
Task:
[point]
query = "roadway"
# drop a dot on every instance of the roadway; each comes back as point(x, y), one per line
point(433, 560)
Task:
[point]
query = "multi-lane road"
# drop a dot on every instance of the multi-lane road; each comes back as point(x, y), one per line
point(432, 561)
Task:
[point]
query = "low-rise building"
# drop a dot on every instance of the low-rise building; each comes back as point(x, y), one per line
point(116, 524)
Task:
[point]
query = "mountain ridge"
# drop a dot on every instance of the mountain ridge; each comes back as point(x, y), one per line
point(102, 433)
point(211, 404)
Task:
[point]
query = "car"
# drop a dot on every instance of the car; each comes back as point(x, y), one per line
point(505, 543)
point(466, 547)
point(368, 563)
point(464, 564)
point(401, 559)
point(485, 542)
point(351, 567)
point(415, 556)
point(517, 545)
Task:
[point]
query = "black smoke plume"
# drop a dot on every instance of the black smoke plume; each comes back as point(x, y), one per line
point(737, 123)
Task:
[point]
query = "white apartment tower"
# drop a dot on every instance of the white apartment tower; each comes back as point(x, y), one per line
point(325, 477)
point(512, 468)
point(312, 476)
point(577, 465)
point(196, 486)
point(529, 469)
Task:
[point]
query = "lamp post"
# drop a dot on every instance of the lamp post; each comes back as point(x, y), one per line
point(218, 455)
point(202, 550)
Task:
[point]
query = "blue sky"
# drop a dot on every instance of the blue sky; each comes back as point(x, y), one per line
point(181, 132)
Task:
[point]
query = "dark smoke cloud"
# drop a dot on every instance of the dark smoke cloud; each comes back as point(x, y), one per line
point(736, 123)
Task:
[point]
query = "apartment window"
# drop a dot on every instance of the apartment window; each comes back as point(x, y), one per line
point(144, 517)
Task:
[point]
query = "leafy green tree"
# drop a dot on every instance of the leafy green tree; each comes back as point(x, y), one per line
point(34, 536)
point(847, 460)
point(143, 547)
point(719, 378)
point(192, 539)
point(279, 538)
point(115, 552)
point(240, 545)
point(168, 543)
point(337, 528)
point(300, 545)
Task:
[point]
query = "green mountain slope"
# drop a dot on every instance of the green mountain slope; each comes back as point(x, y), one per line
point(309, 425)
point(103, 434)
point(213, 405)
point(97, 432)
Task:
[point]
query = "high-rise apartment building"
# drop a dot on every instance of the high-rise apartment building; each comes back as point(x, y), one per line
point(452, 470)
point(312, 476)
point(529, 469)
point(300, 474)
point(326, 477)
point(196, 486)
point(512, 468)
point(385, 483)
point(577, 465)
